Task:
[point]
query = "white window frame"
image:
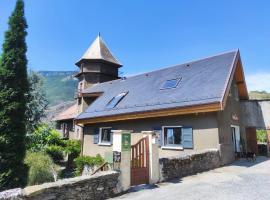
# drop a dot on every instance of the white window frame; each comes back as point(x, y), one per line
point(175, 147)
point(100, 134)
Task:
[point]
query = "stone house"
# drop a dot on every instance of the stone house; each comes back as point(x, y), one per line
point(190, 107)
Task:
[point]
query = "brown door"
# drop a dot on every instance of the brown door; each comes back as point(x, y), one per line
point(140, 162)
point(251, 136)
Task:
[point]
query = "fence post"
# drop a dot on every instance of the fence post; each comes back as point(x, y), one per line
point(122, 157)
point(153, 157)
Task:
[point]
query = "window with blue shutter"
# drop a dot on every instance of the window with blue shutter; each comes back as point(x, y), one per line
point(187, 135)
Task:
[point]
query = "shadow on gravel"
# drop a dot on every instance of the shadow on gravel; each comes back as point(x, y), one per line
point(248, 163)
point(143, 187)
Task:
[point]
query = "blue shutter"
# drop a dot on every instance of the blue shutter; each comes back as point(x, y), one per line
point(158, 132)
point(187, 135)
point(96, 136)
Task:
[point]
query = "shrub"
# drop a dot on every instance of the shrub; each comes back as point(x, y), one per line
point(81, 161)
point(261, 136)
point(56, 153)
point(42, 137)
point(41, 168)
point(72, 147)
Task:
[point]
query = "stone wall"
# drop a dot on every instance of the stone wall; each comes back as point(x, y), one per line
point(100, 186)
point(177, 167)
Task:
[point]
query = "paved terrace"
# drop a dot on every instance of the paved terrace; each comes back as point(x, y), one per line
point(242, 180)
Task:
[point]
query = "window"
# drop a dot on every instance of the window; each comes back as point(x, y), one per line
point(172, 136)
point(115, 100)
point(105, 136)
point(177, 137)
point(173, 83)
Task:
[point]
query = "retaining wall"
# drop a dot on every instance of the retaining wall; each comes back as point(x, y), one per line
point(100, 186)
point(177, 167)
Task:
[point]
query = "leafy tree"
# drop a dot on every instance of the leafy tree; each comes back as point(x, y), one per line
point(13, 100)
point(261, 136)
point(37, 102)
point(42, 137)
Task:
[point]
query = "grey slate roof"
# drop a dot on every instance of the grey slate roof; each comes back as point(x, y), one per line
point(99, 51)
point(203, 82)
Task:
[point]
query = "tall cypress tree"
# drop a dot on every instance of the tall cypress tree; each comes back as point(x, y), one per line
point(13, 98)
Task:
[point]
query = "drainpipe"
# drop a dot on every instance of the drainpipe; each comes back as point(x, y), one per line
point(82, 138)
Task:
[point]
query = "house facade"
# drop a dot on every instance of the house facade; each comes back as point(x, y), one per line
point(190, 107)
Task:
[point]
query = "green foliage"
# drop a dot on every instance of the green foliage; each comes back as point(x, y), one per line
point(81, 161)
point(261, 135)
point(41, 168)
point(56, 153)
point(37, 102)
point(59, 86)
point(72, 147)
point(259, 95)
point(14, 88)
point(43, 137)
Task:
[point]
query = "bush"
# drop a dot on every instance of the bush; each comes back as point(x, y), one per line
point(41, 168)
point(72, 147)
point(56, 153)
point(81, 161)
point(42, 137)
point(261, 136)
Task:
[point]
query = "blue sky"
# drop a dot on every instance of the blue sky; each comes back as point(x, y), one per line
point(147, 35)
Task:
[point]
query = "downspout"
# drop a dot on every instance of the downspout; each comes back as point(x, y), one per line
point(82, 138)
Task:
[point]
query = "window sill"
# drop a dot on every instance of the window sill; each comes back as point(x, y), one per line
point(105, 144)
point(172, 148)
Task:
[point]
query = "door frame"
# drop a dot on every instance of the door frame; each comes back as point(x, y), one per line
point(236, 137)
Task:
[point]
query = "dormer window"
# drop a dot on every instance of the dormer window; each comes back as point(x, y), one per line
point(172, 83)
point(115, 100)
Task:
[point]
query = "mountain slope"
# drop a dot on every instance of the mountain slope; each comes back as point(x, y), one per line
point(59, 86)
point(259, 95)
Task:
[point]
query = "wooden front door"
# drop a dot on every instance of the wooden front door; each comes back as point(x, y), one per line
point(140, 162)
point(251, 137)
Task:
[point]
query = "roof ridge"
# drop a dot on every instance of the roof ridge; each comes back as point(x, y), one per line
point(192, 61)
point(164, 68)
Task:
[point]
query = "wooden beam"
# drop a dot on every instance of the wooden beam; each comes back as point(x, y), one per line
point(152, 114)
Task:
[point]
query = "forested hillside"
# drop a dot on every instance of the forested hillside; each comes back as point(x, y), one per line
point(60, 86)
point(259, 95)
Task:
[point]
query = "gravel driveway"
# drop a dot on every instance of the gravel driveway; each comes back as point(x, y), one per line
point(241, 180)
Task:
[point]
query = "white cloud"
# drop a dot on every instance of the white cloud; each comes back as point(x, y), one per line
point(258, 81)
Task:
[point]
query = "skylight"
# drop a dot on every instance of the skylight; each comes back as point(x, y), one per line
point(115, 100)
point(172, 83)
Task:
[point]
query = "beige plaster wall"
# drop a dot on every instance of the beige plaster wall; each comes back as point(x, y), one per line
point(205, 132)
point(225, 120)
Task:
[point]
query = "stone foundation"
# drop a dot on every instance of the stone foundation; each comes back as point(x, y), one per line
point(177, 167)
point(100, 186)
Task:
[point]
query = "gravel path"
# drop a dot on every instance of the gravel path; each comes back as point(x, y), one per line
point(242, 180)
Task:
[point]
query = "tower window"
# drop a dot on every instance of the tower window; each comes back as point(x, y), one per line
point(115, 100)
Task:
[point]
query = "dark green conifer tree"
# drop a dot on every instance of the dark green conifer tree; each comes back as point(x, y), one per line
point(13, 99)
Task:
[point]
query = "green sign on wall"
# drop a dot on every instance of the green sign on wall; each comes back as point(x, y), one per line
point(126, 141)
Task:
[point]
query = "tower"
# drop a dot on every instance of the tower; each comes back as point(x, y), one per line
point(97, 65)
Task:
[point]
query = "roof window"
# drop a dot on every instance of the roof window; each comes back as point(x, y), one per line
point(115, 100)
point(172, 83)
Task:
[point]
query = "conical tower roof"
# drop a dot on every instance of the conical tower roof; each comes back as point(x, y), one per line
point(99, 51)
